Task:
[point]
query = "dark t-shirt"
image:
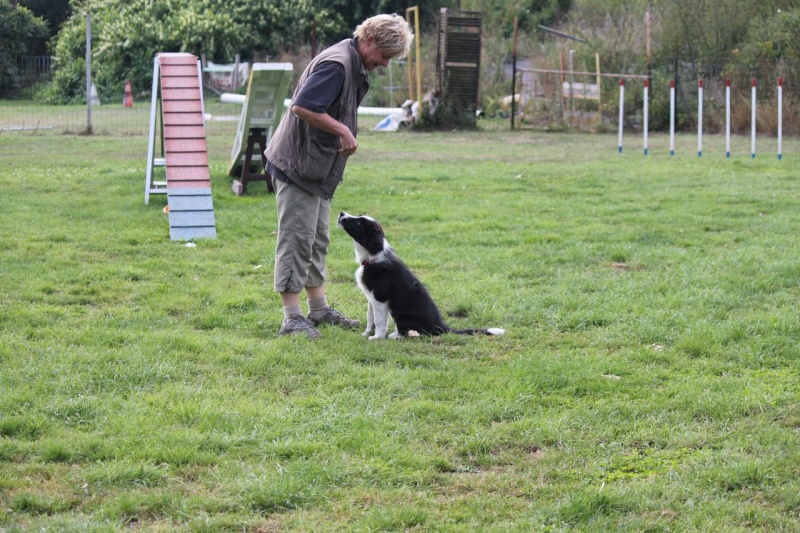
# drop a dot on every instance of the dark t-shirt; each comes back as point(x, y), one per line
point(321, 89)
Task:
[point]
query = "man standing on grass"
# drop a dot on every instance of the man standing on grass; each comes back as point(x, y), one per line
point(306, 158)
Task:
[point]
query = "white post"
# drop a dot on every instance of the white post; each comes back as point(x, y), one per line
point(391, 85)
point(88, 72)
point(646, 126)
point(728, 118)
point(621, 105)
point(151, 146)
point(753, 120)
point(780, 118)
point(700, 118)
point(571, 88)
point(672, 117)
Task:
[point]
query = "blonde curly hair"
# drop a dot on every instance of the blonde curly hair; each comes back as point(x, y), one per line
point(391, 32)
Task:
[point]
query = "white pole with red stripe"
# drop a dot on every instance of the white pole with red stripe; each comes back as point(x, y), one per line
point(728, 118)
point(700, 118)
point(646, 90)
point(780, 118)
point(621, 105)
point(672, 117)
point(753, 120)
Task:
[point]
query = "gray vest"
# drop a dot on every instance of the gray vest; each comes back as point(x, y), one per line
point(309, 157)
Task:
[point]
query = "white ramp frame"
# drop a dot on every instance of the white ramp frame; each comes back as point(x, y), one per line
point(150, 187)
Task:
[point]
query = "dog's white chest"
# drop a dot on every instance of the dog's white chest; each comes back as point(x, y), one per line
point(360, 281)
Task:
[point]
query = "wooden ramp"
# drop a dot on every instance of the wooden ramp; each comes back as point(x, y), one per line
point(177, 86)
point(262, 111)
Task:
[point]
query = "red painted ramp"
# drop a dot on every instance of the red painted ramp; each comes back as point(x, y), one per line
point(191, 211)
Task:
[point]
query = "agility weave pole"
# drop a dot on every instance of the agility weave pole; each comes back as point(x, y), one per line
point(700, 115)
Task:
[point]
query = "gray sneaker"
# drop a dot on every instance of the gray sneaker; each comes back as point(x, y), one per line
point(331, 316)
point(299, 325)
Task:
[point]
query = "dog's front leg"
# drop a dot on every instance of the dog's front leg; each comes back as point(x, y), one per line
point(380, 311)
point(370, 320)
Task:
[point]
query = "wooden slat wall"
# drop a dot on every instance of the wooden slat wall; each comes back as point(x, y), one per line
point(459, 60)
point(191, 211)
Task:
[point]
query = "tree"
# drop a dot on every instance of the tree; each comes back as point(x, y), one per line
point(529, 13)
point(350, 13)
point(126, 35)
point(614, 29)
point(703, 30)
point(17, 26)
point(771, 45)
point(54, 13)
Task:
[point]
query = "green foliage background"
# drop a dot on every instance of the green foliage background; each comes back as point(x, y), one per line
point(690, 39)
point(728, 38)
point(17, 27)
point(127, 34)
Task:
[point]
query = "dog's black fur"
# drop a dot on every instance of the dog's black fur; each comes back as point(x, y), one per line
point(391, 287)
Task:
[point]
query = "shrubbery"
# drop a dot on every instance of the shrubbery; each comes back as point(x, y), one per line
point(739, 39)
point(17, 27)
point(126, 35)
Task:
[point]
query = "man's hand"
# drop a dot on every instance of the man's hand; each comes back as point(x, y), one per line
point(327, 123)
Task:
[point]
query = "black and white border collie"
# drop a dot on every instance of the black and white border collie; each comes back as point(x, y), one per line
point(392, 289)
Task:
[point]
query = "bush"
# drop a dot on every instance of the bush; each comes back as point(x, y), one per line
point(127, 34)
point(17, 26)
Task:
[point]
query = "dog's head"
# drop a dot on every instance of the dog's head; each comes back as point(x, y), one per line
point(365, 232)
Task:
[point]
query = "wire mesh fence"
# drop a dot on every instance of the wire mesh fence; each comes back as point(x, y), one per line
point(559, 99)
point(549, 98)
point(105, 119)
point(21, 110)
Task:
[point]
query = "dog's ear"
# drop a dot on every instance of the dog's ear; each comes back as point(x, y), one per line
point(374, 237)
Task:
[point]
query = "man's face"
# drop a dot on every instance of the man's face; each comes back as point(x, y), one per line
point(371, 55)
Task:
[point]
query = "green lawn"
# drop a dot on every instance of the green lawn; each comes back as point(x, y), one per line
point(648, 380)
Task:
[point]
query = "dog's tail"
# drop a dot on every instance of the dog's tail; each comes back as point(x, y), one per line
point(485, 331)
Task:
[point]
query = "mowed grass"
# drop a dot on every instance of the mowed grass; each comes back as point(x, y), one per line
point(648, 380)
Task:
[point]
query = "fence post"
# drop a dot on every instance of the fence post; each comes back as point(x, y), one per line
point(700, 118)
point(780, 118)
point(672, 117)
point(753, 121)
point(572, 89)
point(646, 112)
point(599, 90)
point(88, 73)
point(514, 75)
point(728, 118)
point(621, 105)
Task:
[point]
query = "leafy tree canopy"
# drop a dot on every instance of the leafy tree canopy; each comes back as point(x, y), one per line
point(529, 13)
point(126, 34)
point(54, 12)
point(18, 26)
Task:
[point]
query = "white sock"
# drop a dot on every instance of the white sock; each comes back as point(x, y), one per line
point(317, 304)
point(289, 310)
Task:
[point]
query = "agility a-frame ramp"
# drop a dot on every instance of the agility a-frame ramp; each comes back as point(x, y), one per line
point(177, 86)
point(262, 111)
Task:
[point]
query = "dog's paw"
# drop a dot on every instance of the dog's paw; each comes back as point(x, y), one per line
point(395, 335)
point(377, 337)
point(368, 332)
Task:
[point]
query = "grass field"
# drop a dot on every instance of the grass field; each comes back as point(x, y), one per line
point(648, 380)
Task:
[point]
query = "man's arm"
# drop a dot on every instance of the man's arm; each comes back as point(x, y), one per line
point(327, 123)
